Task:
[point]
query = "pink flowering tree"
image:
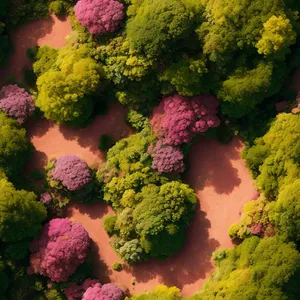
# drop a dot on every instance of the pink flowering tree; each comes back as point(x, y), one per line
point(108, 291)
point(75, 292)
point(99, 16)
point(71, 172)
point(187, 116)
point(167, 158)
point(61, 247)
point(16, 102)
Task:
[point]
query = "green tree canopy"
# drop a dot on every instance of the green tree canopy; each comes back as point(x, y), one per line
point(64, 90)
point(157, 23)
point(256, 269)
point(14, 146)
point(21, 216)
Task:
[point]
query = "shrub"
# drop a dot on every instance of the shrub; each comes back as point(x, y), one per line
point(167, 159)
point(16, 102)
point(108, 291)
point(136, 120)
point(109, 224)
point(61, 247)
point(99, 16)
point(57, 7)
point(75, 292)
point(72, 172)
point(117, 266)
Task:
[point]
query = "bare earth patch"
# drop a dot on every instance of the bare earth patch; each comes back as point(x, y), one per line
point(51, 31)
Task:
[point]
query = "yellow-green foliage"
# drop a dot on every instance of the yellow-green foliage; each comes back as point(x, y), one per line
point(62, 90)
point(285, 212)
point(121, 62)
point(254, 212)
point(161, 292)
point(281, 147)
point(155, 23)
point(21, 216)
point(152, 212)
point(256, 269)
point(277, 36)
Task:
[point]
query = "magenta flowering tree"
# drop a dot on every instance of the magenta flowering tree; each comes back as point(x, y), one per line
point(61, 247)
point(72, 172)
point(167, 158)
point(108, 291)
point(99, 16)
point(75, 292)
point(187, 116)
point(16, 102)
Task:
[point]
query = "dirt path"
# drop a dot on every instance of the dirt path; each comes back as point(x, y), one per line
point(223, 186)
point(51, 32)
point(51, 140)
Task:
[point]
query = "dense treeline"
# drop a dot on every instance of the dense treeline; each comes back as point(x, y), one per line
point(214, 67)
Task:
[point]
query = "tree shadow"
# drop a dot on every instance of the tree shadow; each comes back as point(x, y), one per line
point(191, 263)
point(100, 268)
point(24, 37)
point(94, 211)
point(38, 161)
point(210, 165)
point(112, 124)
point(38, 127)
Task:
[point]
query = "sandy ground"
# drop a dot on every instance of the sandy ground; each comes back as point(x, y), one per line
point(51, 32)
point(51, 140)
point(223, 185)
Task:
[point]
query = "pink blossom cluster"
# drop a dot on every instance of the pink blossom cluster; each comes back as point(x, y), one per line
point(167, 158)
point(186, 116)
point(16, 102)
point(46, 198)
point(108, 291)
point(75, 292)
point(61, 247)
point(99, 16)
point(72, 172)
point(257, 229)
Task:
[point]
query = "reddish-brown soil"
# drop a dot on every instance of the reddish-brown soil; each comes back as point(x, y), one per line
point(51, 31)
point(223, 185)
point(52, 140)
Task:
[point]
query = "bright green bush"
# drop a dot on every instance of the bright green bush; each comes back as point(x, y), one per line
point(117, 266)
point(57, 7)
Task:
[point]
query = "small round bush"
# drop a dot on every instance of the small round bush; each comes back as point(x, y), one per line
point(105, 142)
point(57, 7)
point(109, 224)
point(16, 102)
point(117, 266)
point(72, 172)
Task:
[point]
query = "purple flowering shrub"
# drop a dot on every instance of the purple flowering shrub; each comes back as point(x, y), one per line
point(167, 158)
point(16, 102)
point(186, 116)
point(46, 198)
point(71, 172)
point(75, 292)
point(257, 229)
point(61, 247)
point(108, 291)
point(99, 16)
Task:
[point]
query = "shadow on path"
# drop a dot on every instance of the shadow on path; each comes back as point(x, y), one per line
point(210, 165)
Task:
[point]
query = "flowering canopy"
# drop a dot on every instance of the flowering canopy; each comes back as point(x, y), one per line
point(167, 158)
point(16, 102)
point(108, 291)
point(75, 292)
point(186, 116)
point(72, 172)
point(99, 16)
point(61, 247)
